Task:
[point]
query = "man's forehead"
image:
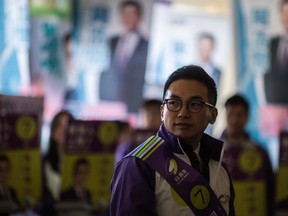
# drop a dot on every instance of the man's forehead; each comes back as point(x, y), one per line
point(191, 88)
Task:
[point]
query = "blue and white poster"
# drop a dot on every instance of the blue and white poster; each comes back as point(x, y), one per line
point(14, 46)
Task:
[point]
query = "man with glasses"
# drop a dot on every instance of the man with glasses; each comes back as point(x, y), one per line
point(179, 170)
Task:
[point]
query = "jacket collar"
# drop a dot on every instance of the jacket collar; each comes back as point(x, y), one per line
point(210, 147)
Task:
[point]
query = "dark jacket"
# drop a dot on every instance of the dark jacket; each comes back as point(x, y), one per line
point(138, 190)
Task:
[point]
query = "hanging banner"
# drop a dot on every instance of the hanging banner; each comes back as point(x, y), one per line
point(14, 46)
point(50, 22)
point(89, 163)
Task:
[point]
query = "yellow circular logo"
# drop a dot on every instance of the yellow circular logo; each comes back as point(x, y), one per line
point(250, 161)
point(172, 166)
point(26, 128)
point(200, 197)
point(107, 132)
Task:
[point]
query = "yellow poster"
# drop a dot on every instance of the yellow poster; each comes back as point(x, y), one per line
point(89, 163)
point(20, 165)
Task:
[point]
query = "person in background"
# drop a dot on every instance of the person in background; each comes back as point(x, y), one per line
point(278, 45)
point(52, 162)
point(150, 115)
point(177, 171)
point(125, 77)
point(78, 192)
point(248, 162)
point(149, 123)
point(124, 141)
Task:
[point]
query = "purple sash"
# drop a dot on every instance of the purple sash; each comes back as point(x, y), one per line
point(183, 178)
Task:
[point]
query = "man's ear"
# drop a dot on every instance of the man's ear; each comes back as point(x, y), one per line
point(213, 115)
point(162, 111)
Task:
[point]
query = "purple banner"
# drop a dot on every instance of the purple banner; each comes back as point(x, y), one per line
point(91, 136)
point(19, 132)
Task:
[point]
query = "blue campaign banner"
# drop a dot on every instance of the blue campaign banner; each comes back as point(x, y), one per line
point(252, 23)
point(14, 45)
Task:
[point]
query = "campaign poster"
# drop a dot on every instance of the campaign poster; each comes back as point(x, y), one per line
point(21, 104)
point(169, 51)
point(20, 151)
point(89, 162)
point(98, 27)
point(14, 46)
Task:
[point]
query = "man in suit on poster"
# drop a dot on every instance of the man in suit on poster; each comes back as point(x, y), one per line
point(206, 46)
point(279, 44)
point(277, 76)
point(125, 77)
point(78, 192)
point(7, 193)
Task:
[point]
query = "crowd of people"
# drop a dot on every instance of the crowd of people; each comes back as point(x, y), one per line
point(169, 164)
point(165, 163)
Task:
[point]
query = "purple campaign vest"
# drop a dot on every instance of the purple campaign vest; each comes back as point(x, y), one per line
point(184, 179)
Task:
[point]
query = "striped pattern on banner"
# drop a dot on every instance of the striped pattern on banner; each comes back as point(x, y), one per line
point(147, 148)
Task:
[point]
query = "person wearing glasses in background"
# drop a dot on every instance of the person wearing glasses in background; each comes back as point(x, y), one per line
point(179, 170)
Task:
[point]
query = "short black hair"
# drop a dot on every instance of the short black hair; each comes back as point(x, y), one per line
point(67, 37)
point(150, 102)
point(80, 161)
point(135, 4)
point(237, 100)
point(207, 35)
point(283, 2)
point(193, 72)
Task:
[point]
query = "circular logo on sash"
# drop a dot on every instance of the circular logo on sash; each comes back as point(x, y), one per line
point(200, 197)
point(107, 132)
point(250, 161)
point(171, 167)
point(25, 127)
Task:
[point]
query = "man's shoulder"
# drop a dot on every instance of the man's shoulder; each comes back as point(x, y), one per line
point(145, 147)
point(133, 168)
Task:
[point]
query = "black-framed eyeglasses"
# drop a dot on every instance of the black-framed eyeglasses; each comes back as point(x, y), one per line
point(193, 106)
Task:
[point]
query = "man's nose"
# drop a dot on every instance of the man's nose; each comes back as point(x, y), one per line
point(184, 112)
